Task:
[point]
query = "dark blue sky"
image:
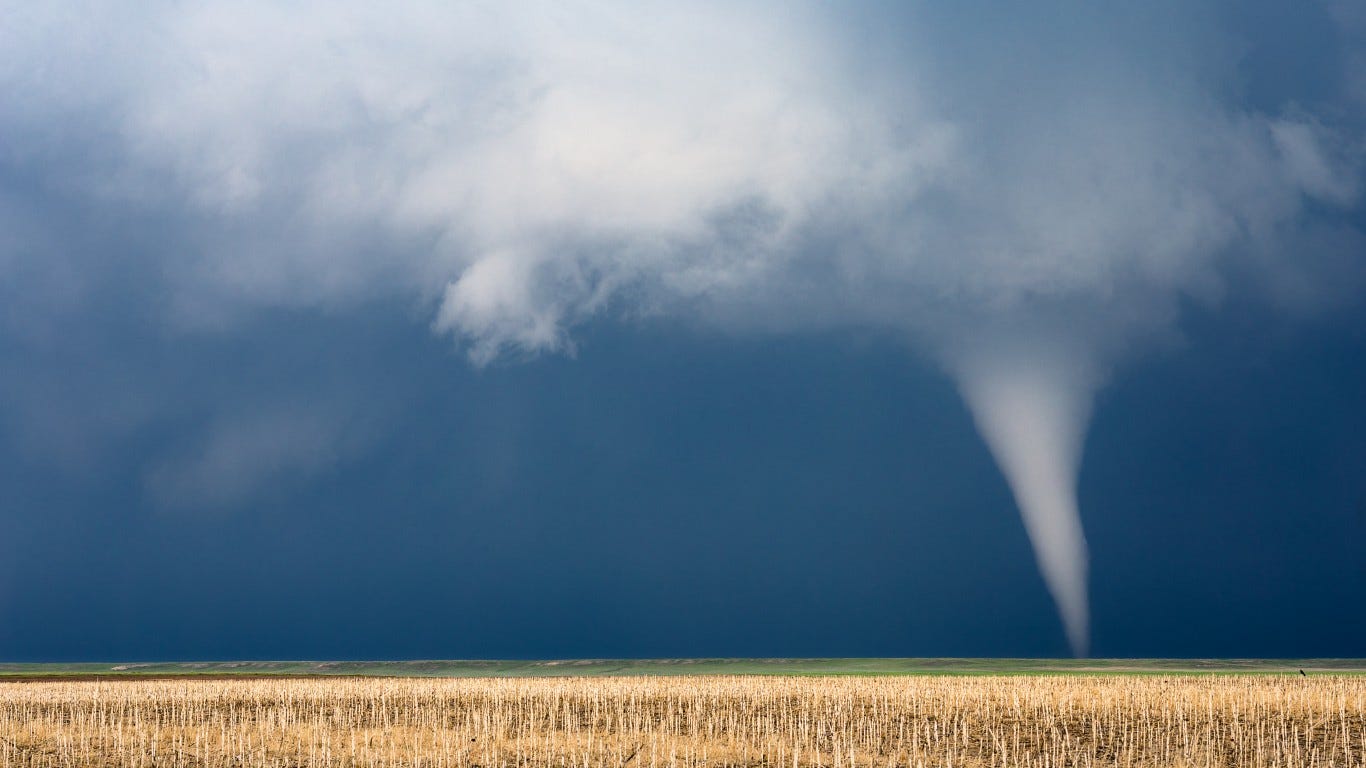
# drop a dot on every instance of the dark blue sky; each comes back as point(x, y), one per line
point(586, 329)
point(670, 493)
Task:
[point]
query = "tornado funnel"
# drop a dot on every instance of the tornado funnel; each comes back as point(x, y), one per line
point(1032, 411)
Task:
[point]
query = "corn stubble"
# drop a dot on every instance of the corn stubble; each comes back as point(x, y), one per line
point(689, 721)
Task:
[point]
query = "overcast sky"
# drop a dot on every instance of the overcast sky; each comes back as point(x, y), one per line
point(591, 329)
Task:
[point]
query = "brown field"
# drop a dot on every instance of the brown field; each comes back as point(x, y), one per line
point(689, 721)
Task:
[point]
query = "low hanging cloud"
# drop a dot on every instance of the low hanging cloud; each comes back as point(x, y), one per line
point(242, 454)
point(1026, 196)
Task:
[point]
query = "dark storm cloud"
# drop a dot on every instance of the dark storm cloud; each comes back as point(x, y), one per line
point(1028, 194)
point(532, 166)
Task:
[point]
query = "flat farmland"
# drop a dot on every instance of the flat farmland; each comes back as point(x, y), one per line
point(691, 667)
point(706, 720)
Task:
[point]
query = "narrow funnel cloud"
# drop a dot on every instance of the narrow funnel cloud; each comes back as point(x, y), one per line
point(1032, 411)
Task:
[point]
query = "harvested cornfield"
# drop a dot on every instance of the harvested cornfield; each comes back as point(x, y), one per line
point(689, 721)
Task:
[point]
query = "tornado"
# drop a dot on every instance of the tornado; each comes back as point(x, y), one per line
point(1032, 408)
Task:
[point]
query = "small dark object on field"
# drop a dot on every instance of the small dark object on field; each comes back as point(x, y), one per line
point(1302, 674)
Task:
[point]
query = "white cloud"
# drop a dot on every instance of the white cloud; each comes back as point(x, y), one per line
point(522, 164)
